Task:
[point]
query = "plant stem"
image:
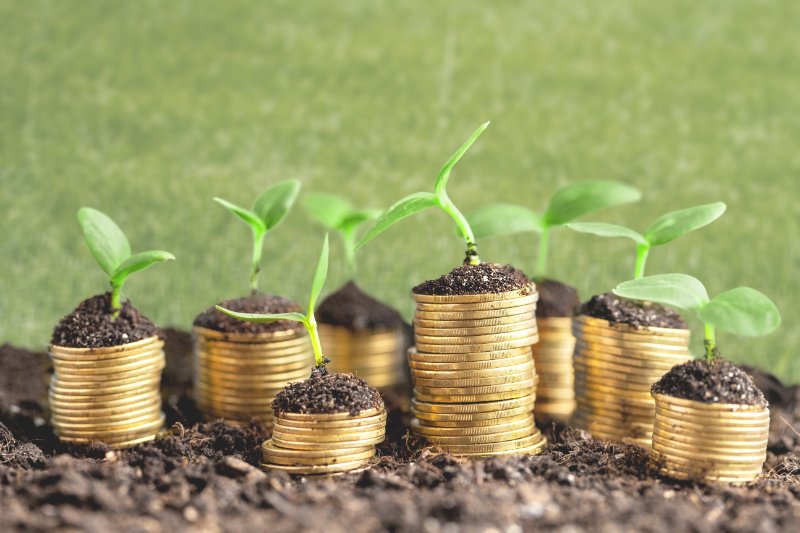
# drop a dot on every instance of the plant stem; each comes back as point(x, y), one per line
point(258, 245)
point(642, 251)
point(349, 239)
point(710, 342)
point(116, 298)
point(313, 333)
point(472, 257)
point(544, 248)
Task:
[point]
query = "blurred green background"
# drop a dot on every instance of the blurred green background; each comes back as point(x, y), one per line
point(148, 109)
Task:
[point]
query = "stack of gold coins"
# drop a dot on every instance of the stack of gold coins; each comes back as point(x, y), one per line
point(709, 441)
point(108, 395)
point(473, 372)
point(324, 443)
point(237, 375)
point(615, 366)
point(374, 356)
point(555, 395)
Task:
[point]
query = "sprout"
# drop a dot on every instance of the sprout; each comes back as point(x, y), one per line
point(308, 320)
point(568, 204)
point(664, 229)
point(422, 200)
point(268, 211)
point(742, 310)
point(336, 213)
point(111, 249)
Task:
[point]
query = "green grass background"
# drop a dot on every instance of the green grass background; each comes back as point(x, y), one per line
point(148, 109)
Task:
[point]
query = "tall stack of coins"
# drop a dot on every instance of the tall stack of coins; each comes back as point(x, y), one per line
point(615, 366)
point(709, 441)
point(374, 356)
point(473, 372)
point(237, 375)
point(110, 395)
point(324, 443)
point(555, 395)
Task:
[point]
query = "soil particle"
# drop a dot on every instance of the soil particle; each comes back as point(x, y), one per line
point(255, 303)
point(719, 381)
point(352, 308)
point(327, 392)
point(556, 299)
point(610, 307)
point(479, 279)
point(93, 325)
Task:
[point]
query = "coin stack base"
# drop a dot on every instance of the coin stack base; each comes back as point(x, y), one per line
point(374, 356)
point(715, 442)
point(324, 444)
point(615, 366)
point(110, 395)
point(237, 375)
point(555, 394)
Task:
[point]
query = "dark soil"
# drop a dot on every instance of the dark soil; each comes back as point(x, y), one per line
point(93, 325)
point(255, 303)
point(556, 299)
point(479, 279)
point(352, 308)
point(717, 382)
point(327, 392)
point(610, 307)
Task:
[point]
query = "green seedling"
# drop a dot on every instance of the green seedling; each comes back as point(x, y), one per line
point(664, 229)
point(742, 310)
point(337, 214)
point(416, 202)
point(269, 209)
point(111, 249)
point(308, 320)
point(568, 204)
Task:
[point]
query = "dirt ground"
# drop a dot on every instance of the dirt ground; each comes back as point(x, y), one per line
point(204, 476)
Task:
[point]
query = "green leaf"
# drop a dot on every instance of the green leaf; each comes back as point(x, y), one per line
point(328, 209)
point(106, 241)
point(503, 219)
point(744, 311)
point(252, 219)
point(139, 262)
point(274, 203)
point(444, 174)
point(608, 230)
point(356, 218)
point(319, 276)
point(669, 227)
point(406, 207)
point(258, 317)
point(674, 290)
point(582, 198)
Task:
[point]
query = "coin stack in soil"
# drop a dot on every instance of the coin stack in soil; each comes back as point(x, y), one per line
point(473, 372)
point(374, 356)
point(555, 394)
point(108, 394)
point(615, 366)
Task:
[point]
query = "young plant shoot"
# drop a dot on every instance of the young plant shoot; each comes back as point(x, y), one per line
point(416, 202)
point(742, 310)
point(664, 229)
point(269, 209)
point(568, 204)
point(308, 320)
point(337, 214)
point(111, 249)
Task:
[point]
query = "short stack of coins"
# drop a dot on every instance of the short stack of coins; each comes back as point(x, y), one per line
point(555, 394)
point(324, 444)
point(719, 442)
point(374, 356)
point(110, 395)
point(615, 366)
point(237, 375)
point(473, 373)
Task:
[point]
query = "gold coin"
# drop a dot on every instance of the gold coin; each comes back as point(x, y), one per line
point(613, 388)
point(696, 455)
point(497, 321)
point(292, 342)
point(494, 447)
point(622, 381)
point(478, 306)
point(469, 440)
point(457, 421)
point(468, 383)
point(355, 422)
point(468, 338)
point(295, 331)
point(108, 352)
point(124, 433)
point(100, 424)
point(460, 331)
point(269, 449)
point(86, 382)
point(95, 418)
point(250, 381)
point(690, 414)
point(331, 417)
point(709, 430)
point(719, 444)
point(555, 322)
point(588, 321)
point(473, 398)
point(487, 389)
point(625, 334)
point(351, 433)
point(319, 437)
point(143, 359)
point(316, 445)
point(708, 406)
point(553, 395)
point(632, 362)
point(474, 315)
point(454, 365)
point(119, 444)
point(707, 466)
point(467, 374)
point(472, 298)
point(306, 461)
point(428, 349)
point(426, 357)
point(318, 469)
point(101, 394)
point(598, 340)
point(593, 366)
point(99, 399)
point(525, 422)
point(419, 407)
point(67, 410)
point(58, 402)
point(529, 450)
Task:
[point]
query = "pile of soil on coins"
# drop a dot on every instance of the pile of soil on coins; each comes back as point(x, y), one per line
point(556, 299)
point(352, 308)
point(479, 279)
point(257, 302)
point(719, 381)
point(327, 392)
point(611, 307)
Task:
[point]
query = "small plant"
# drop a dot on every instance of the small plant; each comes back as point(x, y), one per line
point(568, 204)
point(111, 249)
point(742, 310)
point(664, 229)
point(269, 209)
point(416, 202)
point(308, 320)
point(337, 214)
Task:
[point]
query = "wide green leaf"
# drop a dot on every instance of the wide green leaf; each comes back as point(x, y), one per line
point(608, 230)
point(251, 218)
point(328, 209)
point(444, 173)
point(274, 203)
point(672, 225)
point(406, 207)
point(105, 239)
point(319, 276)
point(744, 311)
point(139, 262)
point(504, 219)
point(674, 290)
point(582, 198)
point(258, 317)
